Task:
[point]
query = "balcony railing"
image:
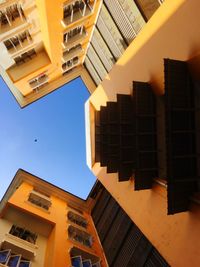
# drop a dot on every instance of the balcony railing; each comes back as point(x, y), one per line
point(36, 83)
point(76, 10)
point(10, 17)
point(35, 197)
point(74, 37)
point(18, 42)
point(80, 236)
point(70, 64)
point(22, 247)
point(72, 52)
point(24, 57)
point(23, 233)
point(77, 219)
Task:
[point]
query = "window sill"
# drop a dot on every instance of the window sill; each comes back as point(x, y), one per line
point(38, 207)
point(77, 225)
point(23, 247)
point(80, 244)
point(20, 241)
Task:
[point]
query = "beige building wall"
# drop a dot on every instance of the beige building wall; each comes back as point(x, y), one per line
point(21, 219)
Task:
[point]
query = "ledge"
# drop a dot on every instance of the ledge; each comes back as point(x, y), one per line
point(25, 248)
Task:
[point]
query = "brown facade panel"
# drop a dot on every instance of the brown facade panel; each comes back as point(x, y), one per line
point(125, 134)
point(116, 236)
point(182, 172)
point(100, 206)
point(155, 259)
point(147, 7)
point(123, 243)
point(109, 215)
point(144, 106)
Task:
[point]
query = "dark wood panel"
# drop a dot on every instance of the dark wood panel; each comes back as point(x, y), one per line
point(123, 242)
point(182, 173)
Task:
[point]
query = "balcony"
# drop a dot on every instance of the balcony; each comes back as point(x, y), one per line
point(35, 197)
point(74, 37)
point(70, 64)
point(28, 63)
point(77, 219)
point(11, 17)
point(76, 10)
point(72, 52)
point(36, 83)
point(20, 246)
point(18, 42)
point(80, 236)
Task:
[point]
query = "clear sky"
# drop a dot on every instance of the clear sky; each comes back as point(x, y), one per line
point(57, 122)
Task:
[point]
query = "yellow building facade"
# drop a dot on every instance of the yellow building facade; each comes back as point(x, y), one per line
point(44, 45)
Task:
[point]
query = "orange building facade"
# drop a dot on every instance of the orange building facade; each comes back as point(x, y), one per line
point(42, 225)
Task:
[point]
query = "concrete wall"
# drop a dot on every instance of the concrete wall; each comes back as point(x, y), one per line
point(172, 32)
point(17, 217)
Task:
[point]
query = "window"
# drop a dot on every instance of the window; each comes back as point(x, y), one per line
point(40, 200)
point(96, 62)
point(23, 233)
point(127, 17)
point(102, 50)
point(82, 258)
point(80, 236)
point(133, 14)
point(109, 31)
point(4, 255)
point(11, 260)
point(24, 263)
point(77, 219)
point(76, 261)
point(92, 71)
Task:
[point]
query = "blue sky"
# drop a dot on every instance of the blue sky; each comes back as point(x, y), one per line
point(57, 122)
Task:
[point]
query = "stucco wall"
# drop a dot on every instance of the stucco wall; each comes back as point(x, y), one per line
point(172, 32)
point(21, 220)
point(51, 225)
